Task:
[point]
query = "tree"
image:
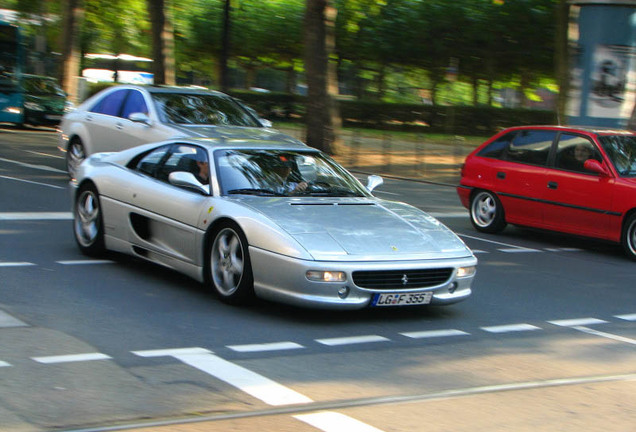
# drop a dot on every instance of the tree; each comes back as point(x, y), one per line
point(73, 15)
point(162, 42)
point(319, 20)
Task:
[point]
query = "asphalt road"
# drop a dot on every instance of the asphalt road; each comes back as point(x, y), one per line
point(547, 341)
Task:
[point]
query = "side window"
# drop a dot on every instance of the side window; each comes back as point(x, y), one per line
point(110, 104)
point(573, 151)
point(134, 103)
point(497, 148)
point(531, 147)
point(149, 163)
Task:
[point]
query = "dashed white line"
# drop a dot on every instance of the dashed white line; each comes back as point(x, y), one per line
point(275, 346)
point(4, 364)
point(510, 328)
point(250, 382)
point(40, 167)
point(31, 182)
point(71, 358)
point(352, 340)
point(328, 421)
point(518, 250)
point(605, 335)
point(577, 322)
point(7, 320)
point(629, 317)
point(16, 216)
point(434, 334)
point(85, 262)
point(16, 264)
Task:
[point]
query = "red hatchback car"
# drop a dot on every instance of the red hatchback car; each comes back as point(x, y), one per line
point(576, 180)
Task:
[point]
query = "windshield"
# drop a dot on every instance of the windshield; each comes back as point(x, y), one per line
point(202, 109)
point(284, 173)
point(621, 150)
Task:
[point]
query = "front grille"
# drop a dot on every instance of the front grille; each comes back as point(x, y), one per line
point(401, 279)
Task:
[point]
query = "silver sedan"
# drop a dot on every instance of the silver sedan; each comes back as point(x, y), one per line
point(274, 220)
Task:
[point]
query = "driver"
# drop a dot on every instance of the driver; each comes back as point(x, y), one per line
point(282, 169)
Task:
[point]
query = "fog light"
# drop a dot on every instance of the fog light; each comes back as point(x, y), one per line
point(326, 276)
point(452, 287)
point(463, 272)
point(343, 292)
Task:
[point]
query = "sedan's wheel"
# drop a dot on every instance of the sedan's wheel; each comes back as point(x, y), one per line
point(628, 238)
point(74, 156)
point(486, 212)
point(88, 225)
point(229, 267)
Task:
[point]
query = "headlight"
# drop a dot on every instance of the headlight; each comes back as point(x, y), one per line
point(326, 276)
point(464, 272)
point(33, 106)
point(13, 110)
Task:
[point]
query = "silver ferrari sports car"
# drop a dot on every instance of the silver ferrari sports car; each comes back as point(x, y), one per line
point(274, 220)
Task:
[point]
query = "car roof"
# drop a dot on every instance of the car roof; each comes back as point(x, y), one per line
point(598, 130)
point(152, 88)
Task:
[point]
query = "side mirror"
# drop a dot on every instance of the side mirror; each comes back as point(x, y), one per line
point(597, 167)
point(189, 181)
point(373, 181)
point(139, 117)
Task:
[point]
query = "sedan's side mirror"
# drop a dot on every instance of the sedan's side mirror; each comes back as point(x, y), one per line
point(595, 166)
point(187, 180)
point(373, 181)
point(139, 117)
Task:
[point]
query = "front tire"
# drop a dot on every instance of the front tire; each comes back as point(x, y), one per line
point(628, 237)
point(88, 224)
point(229, 268)
point(75, 154)
point(486, 212)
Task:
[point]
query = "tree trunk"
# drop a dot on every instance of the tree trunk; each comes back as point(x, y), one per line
point(163, 65)
point(73, 16)
point(320, 128)
point(224, 76)
point(562, 59)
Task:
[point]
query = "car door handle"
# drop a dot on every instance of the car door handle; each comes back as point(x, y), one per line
point(89, 118)
point(119, 126)
point(553, 185)
point(501, 175)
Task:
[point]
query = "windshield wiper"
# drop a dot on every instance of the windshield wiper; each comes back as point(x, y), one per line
point(254, 191)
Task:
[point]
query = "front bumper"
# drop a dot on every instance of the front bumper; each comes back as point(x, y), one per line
point(283, 279)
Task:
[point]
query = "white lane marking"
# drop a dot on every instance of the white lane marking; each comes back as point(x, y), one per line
point(577, 322)
point(448, 215)
point(40, 167)
point(352, 340)
point(629, 317)
point(4, 364)
point(36, 216)
point(16, 264)
point(31, 182)
point(495, 242)
point(250, 382)
point(85, 262)
point(478, 251)
point(510, 328)
point(335, 422)
point(71, 358)
point(434, 334)
point(605, 335)
point(274, 346)
point(7, 320)
point(45, 154)
point(517, 250)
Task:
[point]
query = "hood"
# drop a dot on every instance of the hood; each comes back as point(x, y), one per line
point(360, 228)
point(235, 133)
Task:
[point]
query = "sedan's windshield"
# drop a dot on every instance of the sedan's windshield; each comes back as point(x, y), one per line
point(284, 173)
point(621, 150)
point(202, 109)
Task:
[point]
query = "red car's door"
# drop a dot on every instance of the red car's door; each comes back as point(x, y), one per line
point(577, 201)
point(520, 177)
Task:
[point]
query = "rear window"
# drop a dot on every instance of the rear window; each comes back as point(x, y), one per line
point(531, 147)
point(497, 148)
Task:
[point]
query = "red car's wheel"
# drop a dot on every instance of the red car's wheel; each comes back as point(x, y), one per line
point(486, 212)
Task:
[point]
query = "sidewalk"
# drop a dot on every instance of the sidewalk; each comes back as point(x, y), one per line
point(398, 155)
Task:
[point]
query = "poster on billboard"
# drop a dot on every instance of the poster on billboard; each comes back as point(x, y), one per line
point(612, 85)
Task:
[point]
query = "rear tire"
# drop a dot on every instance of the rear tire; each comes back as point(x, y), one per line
point(628, 237)
point(486, 212)
point(88, 224)
point(228, 265)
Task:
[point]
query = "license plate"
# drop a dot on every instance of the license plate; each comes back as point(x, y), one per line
point(402, 299)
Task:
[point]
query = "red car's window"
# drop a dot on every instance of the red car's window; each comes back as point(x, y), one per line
point(572, 152)
point(531, 147)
